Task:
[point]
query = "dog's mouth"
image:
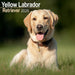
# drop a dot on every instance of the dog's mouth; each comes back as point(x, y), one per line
point(40, 35)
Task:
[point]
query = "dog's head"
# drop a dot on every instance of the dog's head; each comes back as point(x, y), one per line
point(40, 24)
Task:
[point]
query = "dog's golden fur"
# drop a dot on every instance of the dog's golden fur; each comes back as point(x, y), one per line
point(47, 56)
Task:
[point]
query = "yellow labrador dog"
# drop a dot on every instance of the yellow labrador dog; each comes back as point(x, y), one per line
point(42, 46)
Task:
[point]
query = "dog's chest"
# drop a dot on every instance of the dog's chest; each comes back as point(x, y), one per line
point(39, 54)
point(44, 52)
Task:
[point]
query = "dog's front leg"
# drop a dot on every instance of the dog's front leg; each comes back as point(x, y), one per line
point(51, 63)
point(18, 58)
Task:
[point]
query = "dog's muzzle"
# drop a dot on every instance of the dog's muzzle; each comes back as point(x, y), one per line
point(40, 35)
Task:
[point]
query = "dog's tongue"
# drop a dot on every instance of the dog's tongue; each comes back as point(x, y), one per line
point(40, 36)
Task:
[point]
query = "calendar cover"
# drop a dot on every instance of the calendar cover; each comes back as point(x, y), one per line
point(37, 22)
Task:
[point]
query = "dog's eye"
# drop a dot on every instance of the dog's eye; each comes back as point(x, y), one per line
point(34, 18)
point(45, 17)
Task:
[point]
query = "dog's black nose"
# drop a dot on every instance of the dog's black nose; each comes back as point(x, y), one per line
point(39, 26)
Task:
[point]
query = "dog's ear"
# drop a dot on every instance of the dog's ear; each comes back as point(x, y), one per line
point(53, 18)
point(27, 21)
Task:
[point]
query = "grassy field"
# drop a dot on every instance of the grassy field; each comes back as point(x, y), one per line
point(65, 52)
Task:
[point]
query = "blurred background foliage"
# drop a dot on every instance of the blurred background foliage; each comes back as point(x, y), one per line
point(12, 26)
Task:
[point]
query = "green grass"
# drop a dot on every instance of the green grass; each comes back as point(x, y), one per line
point(65, 53)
